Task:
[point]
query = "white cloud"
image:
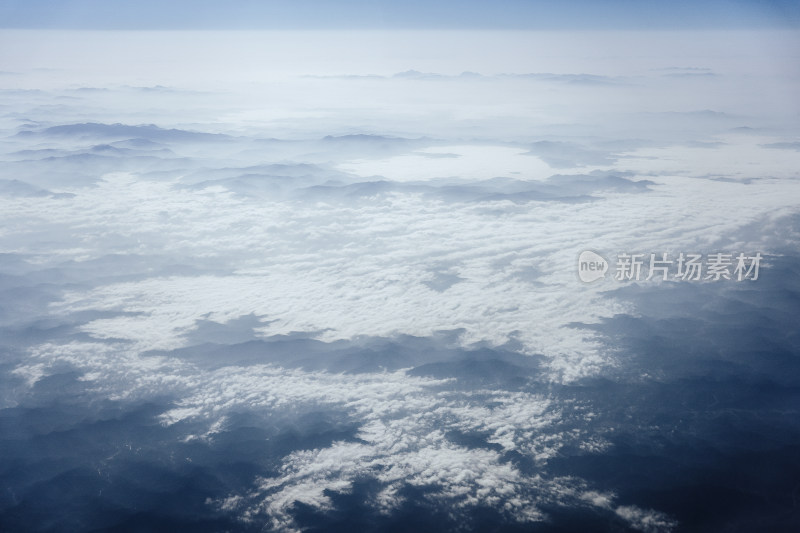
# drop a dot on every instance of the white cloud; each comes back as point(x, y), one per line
point(646, 520)
point(462, 162)
point(361, 268)
point(401, 437)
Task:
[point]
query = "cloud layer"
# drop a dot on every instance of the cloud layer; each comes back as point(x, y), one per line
point(301, 291)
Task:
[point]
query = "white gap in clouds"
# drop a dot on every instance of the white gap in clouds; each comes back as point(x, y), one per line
point(466, 162)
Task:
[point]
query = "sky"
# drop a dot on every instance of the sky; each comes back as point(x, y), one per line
point(383, 14)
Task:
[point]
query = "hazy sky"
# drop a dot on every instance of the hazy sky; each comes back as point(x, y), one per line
point(285, 14)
